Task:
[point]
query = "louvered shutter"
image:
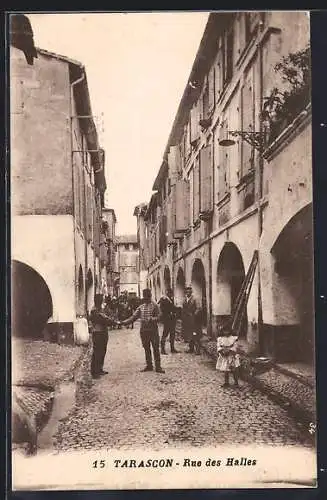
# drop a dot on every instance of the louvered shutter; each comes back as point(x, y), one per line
point(211, 89)
point(174, 164)
point(195, 131)
point(247, 122)
point(223, 162)
point(206, 179)
point(219, 84)
point(196, 191)
point(181, 206)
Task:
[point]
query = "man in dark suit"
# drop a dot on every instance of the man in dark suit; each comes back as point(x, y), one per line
point(191, 321)
point(168, 315)
point(99, 326)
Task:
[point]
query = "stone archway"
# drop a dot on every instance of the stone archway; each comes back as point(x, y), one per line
point(293, 289)
point(167, 278)
point(230, 276)
point(31, 302)
point(199, 287)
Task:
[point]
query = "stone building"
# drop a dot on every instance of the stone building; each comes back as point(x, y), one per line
point(127, 254)
point(234, 186)
point(57, 191)
point(109, 271)
point(139, 213)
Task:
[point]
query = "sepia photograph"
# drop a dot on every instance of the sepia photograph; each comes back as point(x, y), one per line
point(162, 264)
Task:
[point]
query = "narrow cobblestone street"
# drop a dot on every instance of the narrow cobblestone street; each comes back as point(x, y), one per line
point(184, 407)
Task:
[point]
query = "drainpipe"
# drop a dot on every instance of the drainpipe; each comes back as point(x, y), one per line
point(72, 86)
point(260, 193)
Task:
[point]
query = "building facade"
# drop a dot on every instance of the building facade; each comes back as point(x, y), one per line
point(57, 190)
point(127, 254)
point(234, 190)
point(139, 213)
point(109, 272)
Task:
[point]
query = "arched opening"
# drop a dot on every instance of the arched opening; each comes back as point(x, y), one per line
point(80, 292)
point(89, 290)
point(167, 279)
point(180, 288)
point(31, 302)
point(230, 276)
point(199, 287)
point(293, 289)
point(158, 288)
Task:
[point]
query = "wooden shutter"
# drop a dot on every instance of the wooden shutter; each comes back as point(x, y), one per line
point(247, 122)
point(181, 205)
point(174, 164)
point(195, 127)
point(211, 89)
point(206, 179)
point(171, 214)
point(223, 183)
point(196, 190)
point(219, 72)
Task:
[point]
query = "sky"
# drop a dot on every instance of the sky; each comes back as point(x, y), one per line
point(137, 67)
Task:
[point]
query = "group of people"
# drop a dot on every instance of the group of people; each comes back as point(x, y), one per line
point(150, 313)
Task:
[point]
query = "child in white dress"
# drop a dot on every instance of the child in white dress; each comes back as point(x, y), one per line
point(228, 359)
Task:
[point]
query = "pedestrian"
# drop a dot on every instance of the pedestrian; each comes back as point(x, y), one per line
point(191, 321)
point(99, 327)
point(228, 360)
point(168, 315)
point(148, 313)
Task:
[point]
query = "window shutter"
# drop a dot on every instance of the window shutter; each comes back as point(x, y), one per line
point(219, 74)
point(181, 206)
point(223, 183)
point(211, 89)
point(188, 139)
point(195, 130)
point(171, 214)
point(174, 164)
point(206, 179)
point(247, 122)
point(196, 190)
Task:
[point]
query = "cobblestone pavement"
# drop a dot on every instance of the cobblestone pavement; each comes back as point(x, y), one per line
point(184, 407)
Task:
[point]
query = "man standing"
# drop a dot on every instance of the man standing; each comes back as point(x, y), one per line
point(148, 313)
point(168, 314)
point(191, 321)
point(99, 324)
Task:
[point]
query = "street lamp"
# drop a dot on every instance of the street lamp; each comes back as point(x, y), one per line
point(255, 139)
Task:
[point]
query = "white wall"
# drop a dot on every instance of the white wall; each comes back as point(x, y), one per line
point(46, 243)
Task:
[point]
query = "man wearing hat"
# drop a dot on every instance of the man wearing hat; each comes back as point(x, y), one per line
point(191, 321)
point(148, 313)
point(99, 322)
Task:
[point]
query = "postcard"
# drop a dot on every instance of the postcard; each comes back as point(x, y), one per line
point(162, 251)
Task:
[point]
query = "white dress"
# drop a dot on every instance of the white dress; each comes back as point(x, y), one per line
point(230, 360)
